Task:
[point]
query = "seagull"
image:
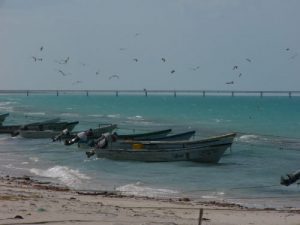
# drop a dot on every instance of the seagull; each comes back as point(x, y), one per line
point(163, 59)
point(249, 60)
point(135, 59)
point(77, 82)
point(231, 82)
point(172, 71)
point(63, 61)
point(196, 68)
point(114, 76)
point(37, 59)
point(235, 67)
point(63, 73)
point(294, 56)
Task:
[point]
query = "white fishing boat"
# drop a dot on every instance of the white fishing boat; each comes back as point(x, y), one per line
point(208, 150)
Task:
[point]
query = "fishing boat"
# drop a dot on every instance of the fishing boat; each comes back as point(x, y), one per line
point(3, 117)
point(46, 130)
point(208, 150)
point(152, 135)
point(144, 136)
point(13, 129)
point(93, 133)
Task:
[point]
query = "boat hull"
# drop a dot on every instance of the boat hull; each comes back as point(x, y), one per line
point(206, 151)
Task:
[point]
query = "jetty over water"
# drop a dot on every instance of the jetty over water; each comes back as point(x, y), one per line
point(146, 93)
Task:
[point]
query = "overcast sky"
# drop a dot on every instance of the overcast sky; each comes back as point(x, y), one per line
point(119, 44)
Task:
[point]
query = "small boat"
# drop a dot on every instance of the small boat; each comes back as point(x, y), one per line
point(46, 130)
point(3, 117)
point(208, 150)
point(93, 133)
point(144, 136)
point(174, 137)
point(13, 129)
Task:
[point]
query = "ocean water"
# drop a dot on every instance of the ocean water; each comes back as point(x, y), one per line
point(267, 145)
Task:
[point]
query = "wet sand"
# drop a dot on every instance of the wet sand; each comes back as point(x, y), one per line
point(24, 200)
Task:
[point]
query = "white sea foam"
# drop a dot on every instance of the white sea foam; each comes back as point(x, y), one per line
point(138, 189)
point(34, 159)
point(96, 115)
point(34, 113)
point(248, 138)
point(68, 176)
point(137, 117)
point(214, 195)
point(114, 116)
point(69, 114)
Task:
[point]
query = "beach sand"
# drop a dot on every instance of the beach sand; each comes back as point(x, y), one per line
point(24, 200)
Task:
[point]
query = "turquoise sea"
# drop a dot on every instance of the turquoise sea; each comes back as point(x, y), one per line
point(267, 145)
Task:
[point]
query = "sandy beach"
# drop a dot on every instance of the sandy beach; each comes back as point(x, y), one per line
point(24, 200)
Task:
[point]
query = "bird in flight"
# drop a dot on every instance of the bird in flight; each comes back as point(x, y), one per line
point(63, 61)
point(235, 67)
point(196, 68)
point(240, 74)
point(287, 49)
point(37, 59)
point(135, 59)
point(63, 73)
point(114, 76)
point(163, 59)
point(77, 82)
point(231, 82)
point(98, 72)
point(41, 48)
point(249, 60)
point(172, 71)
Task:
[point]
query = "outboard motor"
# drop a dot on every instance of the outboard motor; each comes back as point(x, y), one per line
point(290, 178)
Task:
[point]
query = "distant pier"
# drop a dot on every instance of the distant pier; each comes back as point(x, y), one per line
point(146, 93)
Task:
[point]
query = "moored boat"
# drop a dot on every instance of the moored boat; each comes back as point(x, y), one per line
point(208, 150)
point(152, 135)
point(46, 130)
point(144, 136)
point(13, 129)
point(3, 117)
point(92, 133)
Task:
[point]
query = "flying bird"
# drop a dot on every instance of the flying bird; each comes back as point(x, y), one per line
point(97, 72)
point(287, 49)
point(196, 68)
point(240, 74)
point(37, 59)
point(63, 61)
point(63, 73)
point(77, 82)
point(235, 67)
point(135, 59)
point(163, 59)
point(249, 60)
point(41, 48)
point(231, 82)
point(114, 76)
point(172, 71)
point(294, 56)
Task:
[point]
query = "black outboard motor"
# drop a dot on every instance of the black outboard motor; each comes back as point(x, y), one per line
point(290, 178)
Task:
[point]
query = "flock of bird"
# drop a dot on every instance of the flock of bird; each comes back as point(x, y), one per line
point(66, 60)
point(163, 60)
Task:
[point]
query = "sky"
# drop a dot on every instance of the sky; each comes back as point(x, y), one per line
point(150, 44)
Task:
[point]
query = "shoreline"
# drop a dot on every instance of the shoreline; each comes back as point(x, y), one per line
point(24, 200)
